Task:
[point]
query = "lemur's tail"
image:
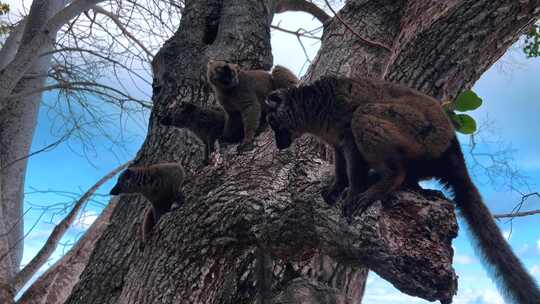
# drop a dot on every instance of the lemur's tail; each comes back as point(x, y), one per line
point(508, 272)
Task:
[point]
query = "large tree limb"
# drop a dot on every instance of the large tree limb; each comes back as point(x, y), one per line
point(11, 45)
point(407, 241)
point(302, 6)
point(456, 56)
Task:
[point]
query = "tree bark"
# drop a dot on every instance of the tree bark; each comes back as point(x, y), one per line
point(17, 125)
point(254, 228)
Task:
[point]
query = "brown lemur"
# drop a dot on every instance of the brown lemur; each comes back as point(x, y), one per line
point(403, 135)
point(161, 184)
point(244, 91)
point(206, 124)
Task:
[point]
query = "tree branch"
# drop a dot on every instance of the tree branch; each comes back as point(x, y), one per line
point(516, 214)
point(52, 242)
point(124, 30)
point(29, 52)
point(11, 45)
point(302, 6)
point(79, 85)
point(55, 285)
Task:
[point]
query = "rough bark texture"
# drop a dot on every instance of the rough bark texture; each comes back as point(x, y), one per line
point(253, 228)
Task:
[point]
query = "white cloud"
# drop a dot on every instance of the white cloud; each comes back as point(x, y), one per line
point(535, 270)
point(506, 234)
point(489, 296)
point(86, 219)
point(478, 296)
point(464, 259)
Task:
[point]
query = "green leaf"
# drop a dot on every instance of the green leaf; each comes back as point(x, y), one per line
point(468, 101)
point(464, 123)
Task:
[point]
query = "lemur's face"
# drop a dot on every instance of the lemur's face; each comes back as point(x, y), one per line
point(281, 119)
point(126, 183)
point(222, 73)
point(179, 117)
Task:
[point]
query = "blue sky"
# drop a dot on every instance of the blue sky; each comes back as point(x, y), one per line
point(511, 104)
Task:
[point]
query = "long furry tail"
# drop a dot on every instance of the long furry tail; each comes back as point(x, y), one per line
point(283, 78)
point(508, 272)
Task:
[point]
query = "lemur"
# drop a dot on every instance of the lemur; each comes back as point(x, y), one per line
point(405, 136)
point(244, 91)
point(161, 184)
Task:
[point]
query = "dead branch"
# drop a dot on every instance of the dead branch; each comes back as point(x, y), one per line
point(52, 242)
point(55, 285)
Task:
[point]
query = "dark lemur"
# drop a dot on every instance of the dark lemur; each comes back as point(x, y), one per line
point(244, 91)
point(161, 184)
point(206, 124)
point(403, 135)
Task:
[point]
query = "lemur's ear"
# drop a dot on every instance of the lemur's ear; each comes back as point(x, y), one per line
point(274, 100)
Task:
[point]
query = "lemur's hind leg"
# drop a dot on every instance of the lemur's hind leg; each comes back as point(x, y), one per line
point(357, 171)
point(386, 149)
point(331, 192)
point(250, 119)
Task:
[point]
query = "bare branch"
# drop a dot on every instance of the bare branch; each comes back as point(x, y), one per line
point(79, 85)
point(516, 214)
point(55, 285)
point(302, 6)
point(52, 242)
point(28, 53)
point(297, 33)
point(44, 149)
point(124, 30)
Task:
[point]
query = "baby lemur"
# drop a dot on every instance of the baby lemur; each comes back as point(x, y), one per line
point(244, 91)
point(403, 135)
point(206, 124)
point(161, 184)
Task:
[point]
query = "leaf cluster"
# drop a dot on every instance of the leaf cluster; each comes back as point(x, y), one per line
point(4, 27)
point(466, 101)
point(531, 47)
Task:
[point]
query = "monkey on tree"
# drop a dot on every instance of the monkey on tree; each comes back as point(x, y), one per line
point(405, 136)
point(243, 92)
point(161, 184)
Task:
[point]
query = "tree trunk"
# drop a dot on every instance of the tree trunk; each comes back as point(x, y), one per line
point(254, 228)
point(17, 125)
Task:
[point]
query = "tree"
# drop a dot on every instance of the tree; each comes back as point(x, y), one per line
point(257, 220)
point(37, 56)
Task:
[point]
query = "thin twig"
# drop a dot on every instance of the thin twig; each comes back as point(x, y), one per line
point(122, 28)
point(516, 214)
